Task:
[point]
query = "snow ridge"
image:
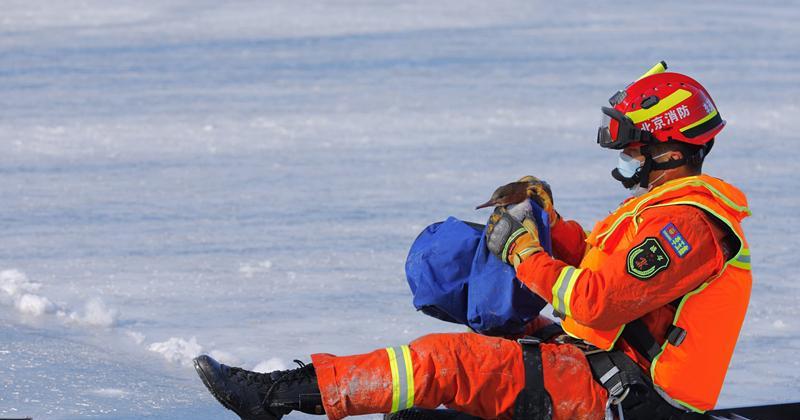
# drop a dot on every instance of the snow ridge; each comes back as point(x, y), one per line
point(24, 295)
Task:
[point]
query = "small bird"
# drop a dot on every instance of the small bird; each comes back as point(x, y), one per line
point(516, 192)
point(512, 193)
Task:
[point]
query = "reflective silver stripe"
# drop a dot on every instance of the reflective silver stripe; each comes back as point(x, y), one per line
point(562, 289)
point(395, 380)
point(609, 375)
point(742, 260)
point(403, 373)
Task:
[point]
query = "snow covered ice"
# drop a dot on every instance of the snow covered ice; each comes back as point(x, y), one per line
point(244, 178)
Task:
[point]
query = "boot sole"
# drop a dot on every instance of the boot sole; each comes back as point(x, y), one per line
point(207, 382)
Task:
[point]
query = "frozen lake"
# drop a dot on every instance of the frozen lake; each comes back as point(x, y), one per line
point(245, 179)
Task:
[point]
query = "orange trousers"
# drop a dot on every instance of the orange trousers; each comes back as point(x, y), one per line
point(471, 373)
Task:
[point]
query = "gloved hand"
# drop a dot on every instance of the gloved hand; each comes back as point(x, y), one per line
point(527, 187)
point(511, 240)
point(539, 191)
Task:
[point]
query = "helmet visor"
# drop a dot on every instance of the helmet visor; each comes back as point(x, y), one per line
point(616, 130)
point(604, 137)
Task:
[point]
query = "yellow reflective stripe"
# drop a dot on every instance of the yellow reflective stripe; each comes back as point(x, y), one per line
point(557, 304)
point(402, 378)
point(409, 377)
point(743, 266)
point(616, 338)
point(742, 260)
point(562, 290)
point(661, 107)
point(570, 288)
point(395, 379)
point(698, 122)
point(687, 405)
point(693, 181)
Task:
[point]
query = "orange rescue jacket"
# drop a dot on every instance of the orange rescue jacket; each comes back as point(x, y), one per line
point(677, 259)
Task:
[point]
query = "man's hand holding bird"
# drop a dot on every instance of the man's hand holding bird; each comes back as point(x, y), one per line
point(511, 240)
point(527, 187)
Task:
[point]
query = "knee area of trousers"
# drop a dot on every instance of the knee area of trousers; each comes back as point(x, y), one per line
point(455, 343)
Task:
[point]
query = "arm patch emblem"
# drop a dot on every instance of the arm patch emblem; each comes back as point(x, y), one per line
point(647, 259)
point(676, 240)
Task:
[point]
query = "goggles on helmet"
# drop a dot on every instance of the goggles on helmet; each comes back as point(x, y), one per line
point(617, 131)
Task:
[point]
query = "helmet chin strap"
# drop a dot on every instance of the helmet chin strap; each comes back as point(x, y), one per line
point(627, 182)
point(642, 175)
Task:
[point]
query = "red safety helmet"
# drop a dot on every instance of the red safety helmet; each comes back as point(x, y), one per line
point(660, 107)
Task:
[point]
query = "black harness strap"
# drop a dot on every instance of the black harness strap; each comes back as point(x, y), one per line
point(638, 336)
point(626, 382)
point(607, 373)
point(532, 403)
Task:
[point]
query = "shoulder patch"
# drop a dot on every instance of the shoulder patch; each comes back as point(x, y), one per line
point(647, 259)
point(676, 240)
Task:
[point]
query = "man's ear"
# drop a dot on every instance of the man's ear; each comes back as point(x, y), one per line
point(676, 155)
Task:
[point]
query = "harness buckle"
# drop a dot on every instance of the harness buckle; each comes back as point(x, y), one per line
point(617, 401)
point(676, 335)
point(530, 341)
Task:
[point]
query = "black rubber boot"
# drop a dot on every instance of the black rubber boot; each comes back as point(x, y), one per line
point(261, 396)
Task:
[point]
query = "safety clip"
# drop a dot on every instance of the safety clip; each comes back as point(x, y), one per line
point(616, 400)
point(530, 341)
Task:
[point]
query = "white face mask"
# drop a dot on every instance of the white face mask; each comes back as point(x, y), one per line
point(627, 165)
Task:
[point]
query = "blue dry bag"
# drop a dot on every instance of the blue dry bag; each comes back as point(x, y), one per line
point(455, 278)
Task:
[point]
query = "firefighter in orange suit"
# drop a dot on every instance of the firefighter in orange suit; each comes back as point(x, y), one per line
point(651, 301)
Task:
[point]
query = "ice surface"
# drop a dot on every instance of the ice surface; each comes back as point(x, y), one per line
point(245, 178)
